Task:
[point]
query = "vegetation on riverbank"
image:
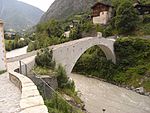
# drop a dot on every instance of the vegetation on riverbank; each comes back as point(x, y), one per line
point(57, 104)
point(132, 68)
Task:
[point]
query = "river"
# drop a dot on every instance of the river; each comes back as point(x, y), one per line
point(99, 95)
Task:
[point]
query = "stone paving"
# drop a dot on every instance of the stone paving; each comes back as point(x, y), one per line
point(9, 95)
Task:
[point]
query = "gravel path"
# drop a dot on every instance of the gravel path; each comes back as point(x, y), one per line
point(9, 95)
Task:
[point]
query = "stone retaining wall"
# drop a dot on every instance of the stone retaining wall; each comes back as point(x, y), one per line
point(45, 90)
point(31, 101)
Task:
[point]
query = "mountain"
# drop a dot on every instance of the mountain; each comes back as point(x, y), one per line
point(61, 9)
point(18, 15)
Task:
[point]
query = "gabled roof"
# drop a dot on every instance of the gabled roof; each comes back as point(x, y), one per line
point(100, 3)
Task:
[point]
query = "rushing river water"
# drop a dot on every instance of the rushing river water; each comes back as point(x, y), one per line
point(98, 95)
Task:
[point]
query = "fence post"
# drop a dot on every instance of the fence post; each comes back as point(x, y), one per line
point(20, 70)
point(44, 90)
point(26, 70)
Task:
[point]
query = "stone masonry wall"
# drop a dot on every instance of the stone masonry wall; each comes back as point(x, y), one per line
point(31, 101)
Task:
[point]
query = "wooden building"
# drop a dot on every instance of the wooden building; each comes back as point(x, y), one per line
point(101, 13)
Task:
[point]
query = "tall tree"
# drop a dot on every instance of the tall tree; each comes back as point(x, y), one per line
point(126, 17)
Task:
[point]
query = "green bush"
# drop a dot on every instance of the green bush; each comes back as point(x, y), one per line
point(126, 17)
point(51, 28)
point(63, 81)
point(9, 45)
point(33, 45)
point(44, 58)
point(75, 33)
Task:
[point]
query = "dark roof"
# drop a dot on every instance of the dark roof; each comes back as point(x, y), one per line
point(98, 3)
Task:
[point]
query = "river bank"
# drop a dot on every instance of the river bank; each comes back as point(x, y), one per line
point(98, 95)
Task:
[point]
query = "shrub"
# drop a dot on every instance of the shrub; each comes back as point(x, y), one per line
point(58, 105)
point(44, 58)
point(126, 17)
point(63, 81)
point(33, 46)
point(75, 33)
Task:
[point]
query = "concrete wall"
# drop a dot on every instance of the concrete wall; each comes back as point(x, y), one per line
point(3, 63)
point(102, 19)
point(68, 53)
point(31, 101)
point(26, 67)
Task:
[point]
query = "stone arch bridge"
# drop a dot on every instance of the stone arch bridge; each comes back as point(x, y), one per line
point(68, 53)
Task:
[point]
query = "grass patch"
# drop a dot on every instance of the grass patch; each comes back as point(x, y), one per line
point(58, 105)
point(146, 85)
point(72, 94)
point(43, 71)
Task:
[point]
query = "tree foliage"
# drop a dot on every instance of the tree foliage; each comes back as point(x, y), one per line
point(44, 58)
point(126, 17)
point(63, 81)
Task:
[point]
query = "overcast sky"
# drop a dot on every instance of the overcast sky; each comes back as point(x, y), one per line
point(42, 4)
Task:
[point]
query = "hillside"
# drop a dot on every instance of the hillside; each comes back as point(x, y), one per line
point(18, 15)
point(61, 9)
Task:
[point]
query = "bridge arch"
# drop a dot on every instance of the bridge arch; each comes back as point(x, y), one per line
point(67, 54)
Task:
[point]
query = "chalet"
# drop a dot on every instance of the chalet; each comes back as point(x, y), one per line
point(102, 13)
